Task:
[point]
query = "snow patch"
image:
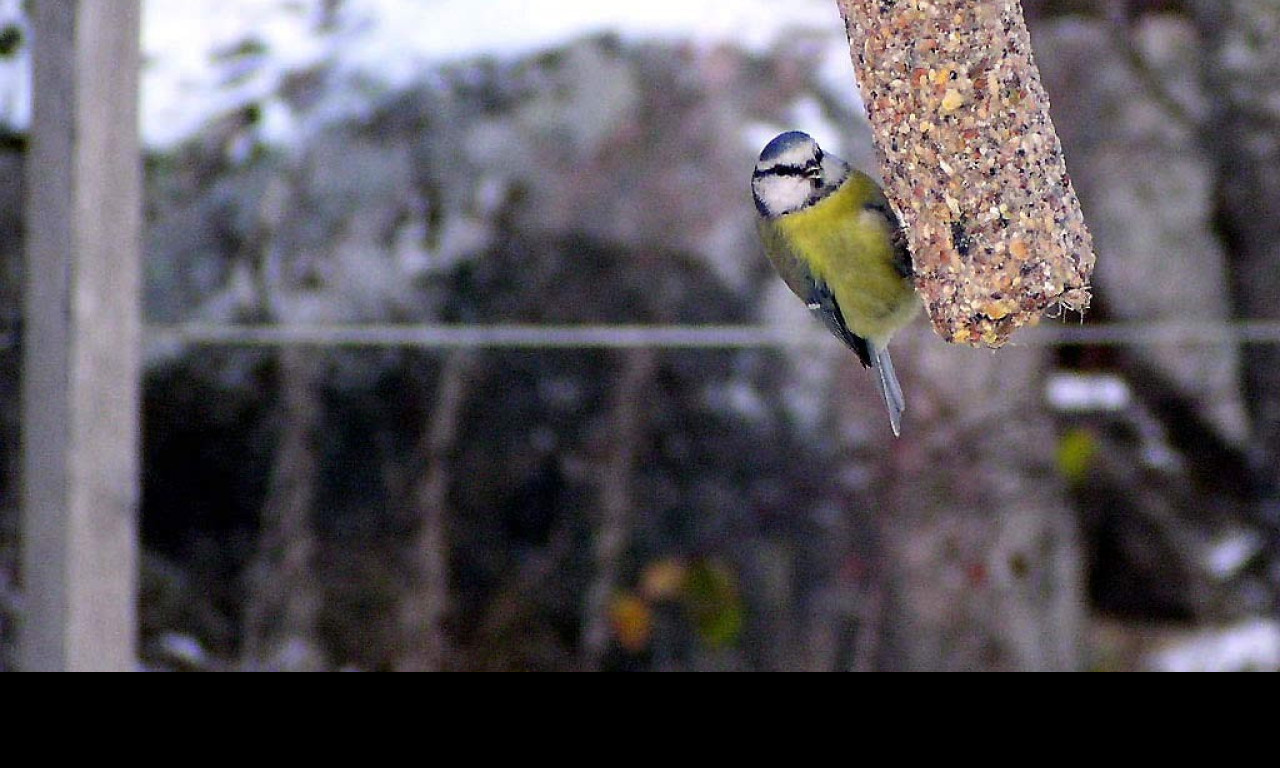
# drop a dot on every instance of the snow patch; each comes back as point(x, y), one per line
point(1087, 393)
point(1250, 646)
point(15, 71)
point(207, 58)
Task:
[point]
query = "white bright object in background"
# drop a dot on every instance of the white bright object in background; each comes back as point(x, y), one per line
point(1248, 646)
point(15, 70)
point(1087, 393)
point(1231, 552)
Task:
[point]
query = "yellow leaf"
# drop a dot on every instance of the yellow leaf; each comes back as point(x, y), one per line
point(663, 580)
point(632, 621)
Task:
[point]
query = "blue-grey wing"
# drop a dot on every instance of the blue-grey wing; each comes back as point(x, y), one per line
point(822, 302)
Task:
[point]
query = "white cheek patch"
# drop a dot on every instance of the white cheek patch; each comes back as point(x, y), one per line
point(784, 194)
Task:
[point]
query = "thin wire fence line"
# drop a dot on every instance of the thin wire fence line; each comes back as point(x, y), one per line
point(728, 337)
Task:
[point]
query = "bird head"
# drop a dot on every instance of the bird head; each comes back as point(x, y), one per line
point(793, 174)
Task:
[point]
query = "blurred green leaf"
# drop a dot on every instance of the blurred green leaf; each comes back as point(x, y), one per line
point(1076, 453)
point(714, 602)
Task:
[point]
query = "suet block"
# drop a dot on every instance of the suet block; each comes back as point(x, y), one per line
point(971, 160)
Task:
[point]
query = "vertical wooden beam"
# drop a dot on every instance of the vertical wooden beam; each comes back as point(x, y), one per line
point(81, 341)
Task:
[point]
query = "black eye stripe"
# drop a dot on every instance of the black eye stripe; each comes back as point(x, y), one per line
point(788, 170)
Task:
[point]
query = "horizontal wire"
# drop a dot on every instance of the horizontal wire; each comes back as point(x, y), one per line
point(533, 337)
point(479, 336)
point(1245, 332)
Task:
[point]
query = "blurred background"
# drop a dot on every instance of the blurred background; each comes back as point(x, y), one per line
point(1103, 495)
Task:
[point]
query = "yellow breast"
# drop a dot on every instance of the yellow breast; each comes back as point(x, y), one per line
point(849, 248)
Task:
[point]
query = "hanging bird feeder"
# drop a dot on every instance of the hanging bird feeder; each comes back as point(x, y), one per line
point(972, 162)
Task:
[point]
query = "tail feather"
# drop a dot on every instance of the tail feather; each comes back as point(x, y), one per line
point(882, 363)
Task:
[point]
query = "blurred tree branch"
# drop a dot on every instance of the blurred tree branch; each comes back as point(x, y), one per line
point(425, 646)
point(982, 558)
point(283, 597)
point(617, 470)
point(1120, 14)
point(1242, 76)
point(1165, 497)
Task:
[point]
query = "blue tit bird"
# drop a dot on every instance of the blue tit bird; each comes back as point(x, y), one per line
point(837, 243)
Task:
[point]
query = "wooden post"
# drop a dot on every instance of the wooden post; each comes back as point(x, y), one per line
point(82, 332)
